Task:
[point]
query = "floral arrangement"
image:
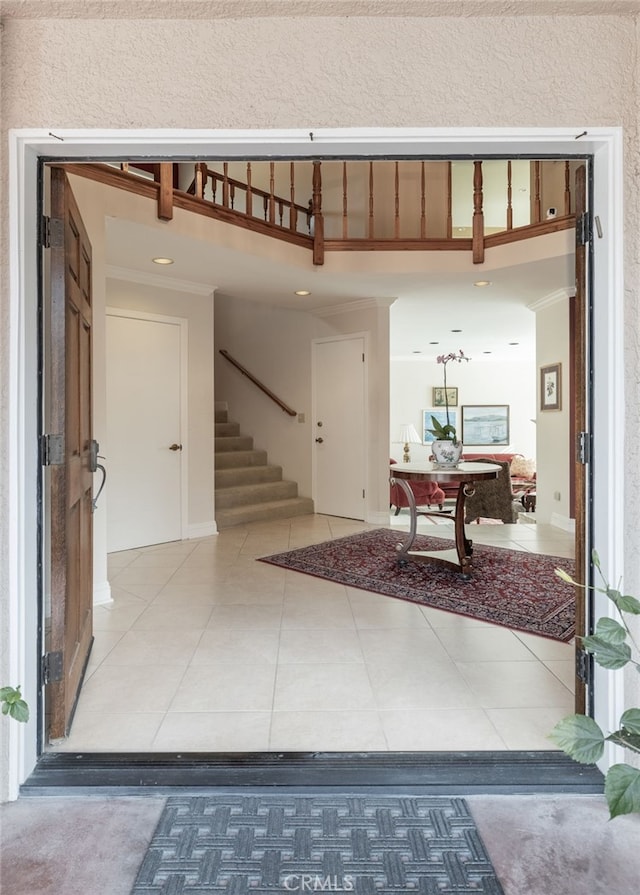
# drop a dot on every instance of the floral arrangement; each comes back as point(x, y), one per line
point(612, 646)
point(446, 432)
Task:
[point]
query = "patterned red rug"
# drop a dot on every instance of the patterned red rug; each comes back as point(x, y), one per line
point(508, 588)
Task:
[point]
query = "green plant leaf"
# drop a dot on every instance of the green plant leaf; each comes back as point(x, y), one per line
point(610, 630)
point(19, 710)
point(624, 602)
point(625, 739)
point(580, 737)
point(608, 655)
point(630, 720)
point(622, 790)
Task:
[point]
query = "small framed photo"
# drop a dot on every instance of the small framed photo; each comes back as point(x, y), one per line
point(441, 416)
point(438, 397)
point(551, 387)
point(485, 424)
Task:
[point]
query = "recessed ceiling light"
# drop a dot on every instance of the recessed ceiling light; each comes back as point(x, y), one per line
point(487, 352)
point(434, 343)
point(514, 343)
point(162, 260)
point(482, 283)
point(416, 352)
point(302, 292)
point(456, 330)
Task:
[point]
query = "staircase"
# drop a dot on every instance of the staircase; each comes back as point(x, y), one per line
point(247, 487)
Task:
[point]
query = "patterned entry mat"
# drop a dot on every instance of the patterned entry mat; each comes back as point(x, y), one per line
point(369, 845)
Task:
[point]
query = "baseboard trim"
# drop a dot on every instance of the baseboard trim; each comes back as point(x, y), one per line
point(378, 518)
point(201, 530)
point(427, 772)
point(102, 594)
point(563, 522)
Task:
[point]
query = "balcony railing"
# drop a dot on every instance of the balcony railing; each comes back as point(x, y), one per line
point(407, 205)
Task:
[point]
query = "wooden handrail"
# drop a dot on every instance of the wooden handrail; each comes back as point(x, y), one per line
point(260, 385)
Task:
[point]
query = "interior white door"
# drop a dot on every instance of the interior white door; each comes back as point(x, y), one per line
point(144, 370)
point(339, 427)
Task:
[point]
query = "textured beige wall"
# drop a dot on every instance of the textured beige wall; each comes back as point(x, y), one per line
point(276, 72)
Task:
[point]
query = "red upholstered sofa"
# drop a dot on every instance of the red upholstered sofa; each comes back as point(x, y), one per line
point(451, 489)
point(426, 494)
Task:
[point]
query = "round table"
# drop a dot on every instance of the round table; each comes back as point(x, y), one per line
point(464, 474)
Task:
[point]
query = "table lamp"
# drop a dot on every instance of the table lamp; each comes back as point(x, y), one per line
point(408, 435)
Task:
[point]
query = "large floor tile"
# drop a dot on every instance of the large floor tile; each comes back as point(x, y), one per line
point(375, 611)
point(225, 688)
point(477, 644)
point(112, 732)
point(425, 730)
point(118, 688)
point(327, 732)
point(162, 618)
point(254, 646)
point(327, 645)
point(242, 615)
point(322, 687)
point(405, 646)
point(142, 647)
point(213, 732)
point(420, 687)
point(527, 728)
point(514, 684)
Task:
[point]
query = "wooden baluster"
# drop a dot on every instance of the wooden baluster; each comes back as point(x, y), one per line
point(214, 187)
point(567, 188)
point(280, 211)
point(371, 228)
point(396, 220)
point(536, 193)
point(225, 184)
point(345, 223)
point(509, 197)
point(318, 220)
point(423, 202)
point(477, 237)
point(293, 212)
point(165, 193)
point(272, 190)
point(249, 208)
point(200, 180)
point(124, 166)
point(265, 207)
point(232, 195)
point(449, 203)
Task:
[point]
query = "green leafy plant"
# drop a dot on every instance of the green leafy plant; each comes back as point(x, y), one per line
point(13, 704)
point(612, 646)
point(446, 432)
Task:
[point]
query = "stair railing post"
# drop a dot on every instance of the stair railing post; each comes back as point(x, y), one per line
point(477, 233)
point(318, 220)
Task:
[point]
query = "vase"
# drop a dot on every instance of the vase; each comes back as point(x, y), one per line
point(446, 454)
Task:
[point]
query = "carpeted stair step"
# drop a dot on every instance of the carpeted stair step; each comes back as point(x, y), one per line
point(263, 492)
point(220, 416)
point(234, 459)
point(226, 428)
point(233, 443)
point(276, 509)
point(246, 475)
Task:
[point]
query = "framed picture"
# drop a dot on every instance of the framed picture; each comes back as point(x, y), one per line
point(438, 397)
point(551, 387)
point(485, 424)
point(441, 416)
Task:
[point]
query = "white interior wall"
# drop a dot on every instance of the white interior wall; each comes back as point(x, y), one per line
point(478, 382)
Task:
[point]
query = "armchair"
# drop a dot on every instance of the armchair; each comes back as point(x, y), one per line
point(425, 493)
point(493, 498)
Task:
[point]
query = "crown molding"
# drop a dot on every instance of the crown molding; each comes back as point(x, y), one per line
point(157, 280)
point(553, 298)
point(363, 304)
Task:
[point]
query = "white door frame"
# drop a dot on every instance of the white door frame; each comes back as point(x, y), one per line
point(26, 146)
point(183, 324)
point(341, 337)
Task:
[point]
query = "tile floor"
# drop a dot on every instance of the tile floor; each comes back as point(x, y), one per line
point(205, 649)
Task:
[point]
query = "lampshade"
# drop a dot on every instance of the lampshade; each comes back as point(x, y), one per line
point(408, 435)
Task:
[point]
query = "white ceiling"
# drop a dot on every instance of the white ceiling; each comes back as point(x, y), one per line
point(428, 304)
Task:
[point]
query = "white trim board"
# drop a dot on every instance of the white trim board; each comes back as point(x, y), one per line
point(26, 146)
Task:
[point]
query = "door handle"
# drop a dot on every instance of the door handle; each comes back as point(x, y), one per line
point(175, 447)
point(319, 440)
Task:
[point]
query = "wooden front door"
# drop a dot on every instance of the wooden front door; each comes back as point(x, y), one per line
point(67, 352)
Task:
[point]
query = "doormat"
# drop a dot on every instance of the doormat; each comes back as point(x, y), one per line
point(369, 845)
point(508, 588)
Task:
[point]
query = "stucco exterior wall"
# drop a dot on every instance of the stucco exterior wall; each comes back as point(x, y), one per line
point(337, 71)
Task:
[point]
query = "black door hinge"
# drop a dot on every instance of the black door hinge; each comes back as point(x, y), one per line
point(583, 448)
point(52, 450)
point(584, 229)
point(51, 232)
point(583, 666)
point(52, 667)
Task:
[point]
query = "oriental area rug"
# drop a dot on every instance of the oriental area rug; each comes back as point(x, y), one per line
point(508, 587)
point(274, 843)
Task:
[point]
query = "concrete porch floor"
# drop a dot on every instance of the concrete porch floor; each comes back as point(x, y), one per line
point(539, 845)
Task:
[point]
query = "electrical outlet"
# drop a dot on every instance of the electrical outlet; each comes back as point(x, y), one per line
point(556, 495)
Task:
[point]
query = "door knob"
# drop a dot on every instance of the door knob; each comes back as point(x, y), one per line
point(319, 440)
point(175, 447)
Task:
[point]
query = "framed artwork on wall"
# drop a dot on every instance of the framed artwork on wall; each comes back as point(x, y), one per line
point(484, 424)
point(438, 397)
point(551, 387)
point(441, 416)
